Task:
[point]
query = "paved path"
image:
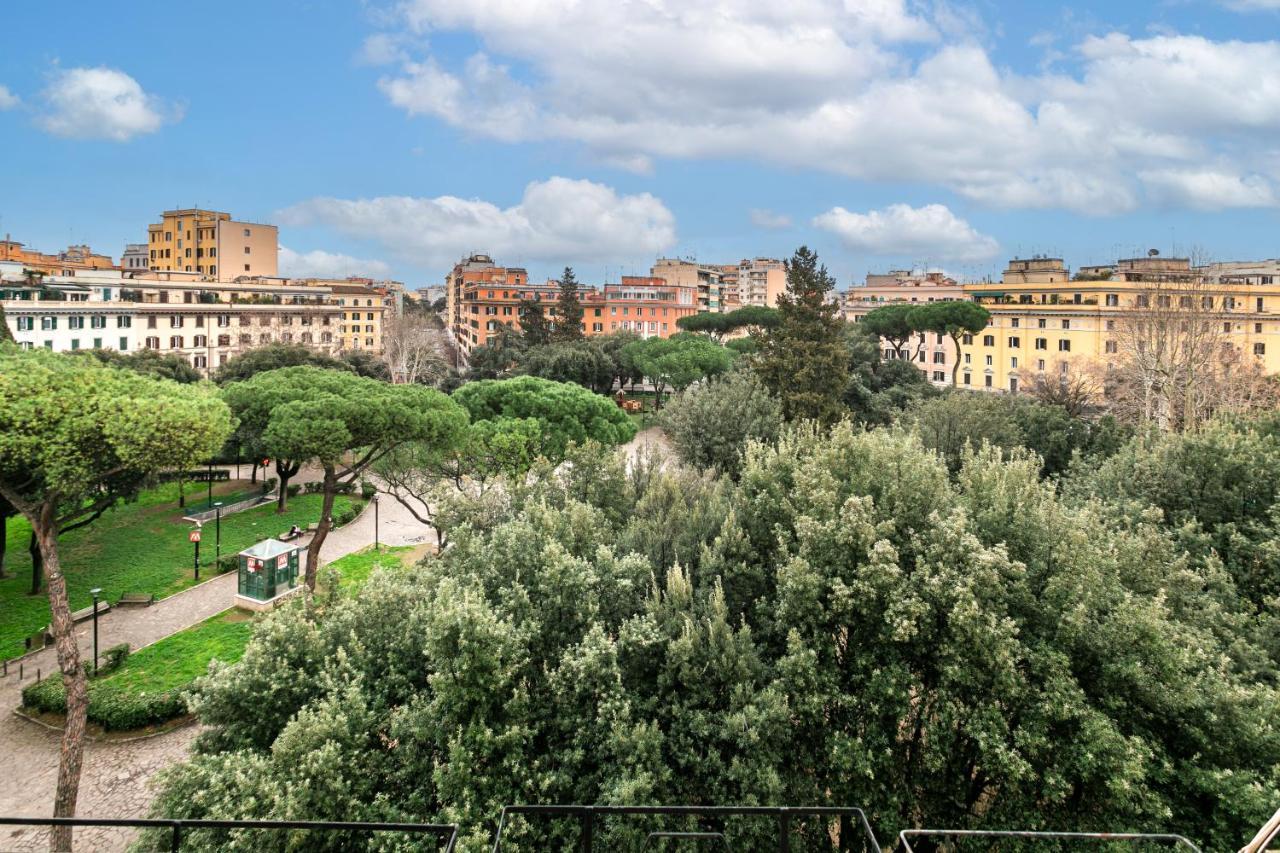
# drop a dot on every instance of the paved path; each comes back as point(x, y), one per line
point(115, 779)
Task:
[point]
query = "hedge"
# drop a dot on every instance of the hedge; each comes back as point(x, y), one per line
point(109, 706)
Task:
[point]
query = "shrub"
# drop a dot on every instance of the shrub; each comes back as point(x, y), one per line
point(109, 706)
point(269, 485)
point(115, 656)
point(227, 563)
point(711, 424)
point(293, 489)
point(367, 490)
point(347, 488)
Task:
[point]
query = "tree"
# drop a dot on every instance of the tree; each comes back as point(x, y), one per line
point(273, 357)
point(753, 317)
point(582, 362)
point(568, 325)
point(415, 348)
point(534, 324)
point(500, 355)
point(879, 390)
point(892, 323)
point(75, 438)
point(803, 359)
point(953, 319)
point(1077, 388)
point(365, 363)
point(565, 413)
point(343, 422)
point(149, 362)
point(711, 424)
point(678, 361)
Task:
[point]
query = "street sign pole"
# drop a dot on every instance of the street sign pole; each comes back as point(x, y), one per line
point(194, 538)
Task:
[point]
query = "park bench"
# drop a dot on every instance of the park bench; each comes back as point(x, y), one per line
point(133, 599)
point(289, 535)
point(78, 617)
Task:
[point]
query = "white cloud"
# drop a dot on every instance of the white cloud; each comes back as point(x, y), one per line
point(762, 218)
point(8, 100)
point(1253, 5)
point(100, 103)
point(558, 220)
point(827, 84)
point(321, 264)
point(900, 230)
point(1206, 189)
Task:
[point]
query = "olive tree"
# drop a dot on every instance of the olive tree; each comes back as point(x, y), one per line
point(76, 437)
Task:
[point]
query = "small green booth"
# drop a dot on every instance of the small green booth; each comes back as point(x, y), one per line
point(268, 572)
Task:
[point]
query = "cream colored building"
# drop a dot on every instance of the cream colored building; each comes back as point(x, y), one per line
point(211, 243)
point(683, 273)
point(753, 281)
point(932, 353)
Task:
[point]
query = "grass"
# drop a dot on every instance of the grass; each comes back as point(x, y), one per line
point(354, 569)
point(139, 547)
point(179, 658)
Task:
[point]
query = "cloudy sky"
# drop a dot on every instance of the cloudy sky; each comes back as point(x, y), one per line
point(393, 137)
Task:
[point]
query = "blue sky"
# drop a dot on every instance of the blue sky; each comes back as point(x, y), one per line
point(392, 138)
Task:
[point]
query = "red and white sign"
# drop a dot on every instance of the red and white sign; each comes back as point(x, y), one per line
point(193, 536)
point(282, 561)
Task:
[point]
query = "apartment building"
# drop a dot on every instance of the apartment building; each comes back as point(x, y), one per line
point(1042, 325)
point(477, 282)
point(707, 279)
point(752, 281)
point(649, 306)
point(78, 257)
point(205, 322)
point(135, 258)
point(933, 353)
point(212, 243)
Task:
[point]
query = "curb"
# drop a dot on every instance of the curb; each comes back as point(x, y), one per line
point(183, 722)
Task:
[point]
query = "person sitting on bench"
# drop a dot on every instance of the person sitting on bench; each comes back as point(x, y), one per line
point(294, 532)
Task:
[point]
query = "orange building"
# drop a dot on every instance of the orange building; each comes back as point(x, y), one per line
point(648, 306)
point(63, 263)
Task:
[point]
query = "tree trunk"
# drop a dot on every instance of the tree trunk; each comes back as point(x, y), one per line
point(955, 368)
point(253, 472)
point(322, 528)
point(71, 756)
point(182, 496)
point(37, 563)
point(284, 473)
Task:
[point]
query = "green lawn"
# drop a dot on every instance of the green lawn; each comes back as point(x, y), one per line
point(354, 569)
point(138, 547)
point(179, 658)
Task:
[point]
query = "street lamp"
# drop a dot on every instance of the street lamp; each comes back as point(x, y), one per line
point(375, 522)
point(217, 535)
point(95, 592)
point(209, 502)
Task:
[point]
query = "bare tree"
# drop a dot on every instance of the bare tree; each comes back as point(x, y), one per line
point(415, 349)
point(1076, 386)
point(1176, 365)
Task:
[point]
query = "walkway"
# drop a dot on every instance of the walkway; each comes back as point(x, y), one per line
point(116, 777)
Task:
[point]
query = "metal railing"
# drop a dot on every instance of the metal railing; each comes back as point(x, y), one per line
point(586, 817)
point(1123, 837)
point(445, 834)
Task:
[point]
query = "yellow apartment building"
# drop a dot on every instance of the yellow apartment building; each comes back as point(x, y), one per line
point(212, 243)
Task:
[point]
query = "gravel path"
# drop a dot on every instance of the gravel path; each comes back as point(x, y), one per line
point(115, 779)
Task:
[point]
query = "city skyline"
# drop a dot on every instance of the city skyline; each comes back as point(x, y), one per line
point(393, 140)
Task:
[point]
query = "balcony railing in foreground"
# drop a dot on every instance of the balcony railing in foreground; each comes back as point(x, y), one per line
point(445, 835)
point(991, 838)
point(783, 822)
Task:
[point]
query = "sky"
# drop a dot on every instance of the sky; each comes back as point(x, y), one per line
point(392, 138)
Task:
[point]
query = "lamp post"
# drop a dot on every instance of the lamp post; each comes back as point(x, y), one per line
point(375, 522)
point(209, 502)
point(95, 592)
point(217, 534)
point(194, 538)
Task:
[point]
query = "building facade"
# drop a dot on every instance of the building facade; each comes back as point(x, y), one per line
point(212, 243)
point(933, 353)
point(136, 258)
point(753, 281)
point(707, 279)
point(74, 259)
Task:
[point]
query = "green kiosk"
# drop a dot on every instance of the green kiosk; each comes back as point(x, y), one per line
point(268, 573)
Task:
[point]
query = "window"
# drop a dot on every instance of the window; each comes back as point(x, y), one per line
point(988, 340)
point(1013, 362)
point(1162, 301)
point(26, 324)
point(966, 339)
point(1257, 328)
point(175, 322)
point(97, 322)
point(1228, 303)
point(988, 361)
point(246, 267)
point(175, 342)
point(1226, 327)
point(1014, 322)
point(1260, 304)
point(199, 361)
point(939, 376)
point(152, 343)
point(1259, 348)
point(224, 340)
point(1015, 343)
point(1064, 345)
point(1111, 325)
point(246, 250)
point(75, 343)
point(48, 324)
point(1066, 324)
point(968, 359)
point(75, 322)
point(246, 232)
point(1113, 300)
point(968, 379)
point(939, 358)
point(224, 320)
point(1042, 343)
point(1110, 347)
point(200, 341)
point(1040, 364)
point(369, 316)
point(988, 380)
point(124, 344)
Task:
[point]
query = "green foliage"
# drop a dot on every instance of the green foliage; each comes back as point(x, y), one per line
point(581, 362)
point(147, 687)
point(273, 357)
point(568, 325)
point(743, 346)
point(535, 327)
point(678, 361)
point(148, 362)
point(952, 318)
point(803, 360)
point(498, 357)
point(364, 363)
point(711, 424)
point(114, 657)
point(879, 390)
point(893, 323)
point(565, 413)
point(847, 624)
point(367, 489)
point(748, 316)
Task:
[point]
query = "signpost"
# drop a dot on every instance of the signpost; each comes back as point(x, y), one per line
point(194, 537)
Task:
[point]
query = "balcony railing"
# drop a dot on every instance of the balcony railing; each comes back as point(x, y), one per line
point(1136, 838)
point(445, 835)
